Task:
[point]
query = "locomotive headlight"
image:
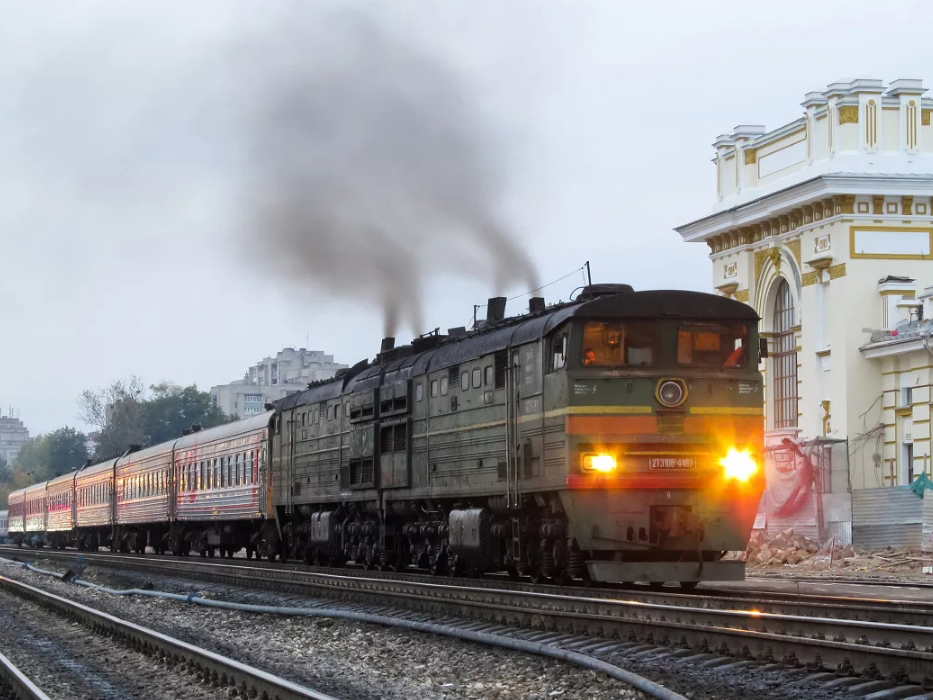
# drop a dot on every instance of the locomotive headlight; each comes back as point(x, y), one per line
point(599, 462)
point(739, 464)
point(671, 392)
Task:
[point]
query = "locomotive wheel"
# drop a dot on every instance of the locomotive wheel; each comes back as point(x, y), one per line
point(689, 585)
point(562, 578)
point(534, 573)
point(203, 554)
point(211, 551)
point(455, 566)
point(438, 566)
point(656, 585)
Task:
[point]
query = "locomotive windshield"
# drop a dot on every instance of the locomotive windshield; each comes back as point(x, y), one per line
point(722, 345)
point(615, 344)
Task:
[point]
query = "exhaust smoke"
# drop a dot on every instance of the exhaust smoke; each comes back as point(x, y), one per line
point(369, 173)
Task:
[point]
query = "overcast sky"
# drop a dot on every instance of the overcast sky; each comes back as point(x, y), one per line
point(124, 153)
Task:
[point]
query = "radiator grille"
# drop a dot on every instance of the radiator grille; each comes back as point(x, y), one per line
point(670, 423)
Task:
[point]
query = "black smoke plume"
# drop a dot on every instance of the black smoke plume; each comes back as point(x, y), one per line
point(369, 170)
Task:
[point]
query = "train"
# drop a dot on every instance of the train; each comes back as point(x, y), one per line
point(4, 522)
point(615, 437)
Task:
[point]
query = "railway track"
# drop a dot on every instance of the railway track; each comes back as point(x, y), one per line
point(16, 685)
point(879, 639)
point(230, 678)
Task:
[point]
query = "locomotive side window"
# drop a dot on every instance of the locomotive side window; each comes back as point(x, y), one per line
point(419, 391)
point(465, 380)
point(433, 388)
point(489, 375)
point(712, 345)
point(477, 378)
point(559, 352)
point(443, 386)
point(614, 344)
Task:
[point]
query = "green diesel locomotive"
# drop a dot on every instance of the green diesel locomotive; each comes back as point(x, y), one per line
point(617, 437)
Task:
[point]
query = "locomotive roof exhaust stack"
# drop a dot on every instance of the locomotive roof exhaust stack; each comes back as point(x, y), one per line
point(495, 309)
point(185, 431)
point(195, 428)
point(387, 344)
point(536, 305)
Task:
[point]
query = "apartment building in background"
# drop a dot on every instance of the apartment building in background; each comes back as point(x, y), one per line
point(273, 378)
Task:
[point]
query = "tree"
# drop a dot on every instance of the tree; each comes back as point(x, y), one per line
point(47, 456)
point(32, 459)
point(125, 416)
point(116, 411)
point(173, 409)
point(67, 451)
point(6, 472)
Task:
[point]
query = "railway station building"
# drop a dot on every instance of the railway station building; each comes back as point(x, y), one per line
point(825, 226)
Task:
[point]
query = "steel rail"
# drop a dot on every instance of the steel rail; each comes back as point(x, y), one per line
point(250, 681)
point(23, 688)
point(911, 612)
point(897, 651)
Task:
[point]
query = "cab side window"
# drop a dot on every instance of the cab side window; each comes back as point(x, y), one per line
point(558, 352)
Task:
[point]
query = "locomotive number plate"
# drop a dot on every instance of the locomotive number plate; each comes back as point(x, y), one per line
point(671, 463)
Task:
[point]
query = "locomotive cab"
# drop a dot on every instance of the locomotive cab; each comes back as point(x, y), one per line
point(664, 434)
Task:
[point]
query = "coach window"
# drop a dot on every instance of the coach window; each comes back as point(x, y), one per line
point(249, 471)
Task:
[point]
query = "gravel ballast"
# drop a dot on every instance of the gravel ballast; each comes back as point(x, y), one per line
point(346, 659)
point(68, 662)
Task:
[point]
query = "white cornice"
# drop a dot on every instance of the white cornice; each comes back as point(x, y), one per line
point(799, 194)
point(889, 348)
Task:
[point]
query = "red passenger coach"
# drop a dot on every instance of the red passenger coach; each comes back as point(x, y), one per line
point(222, 488)
point(16, 516)
point(60, 521)
point(36, 513)
point(143, 488)
point(94, 512)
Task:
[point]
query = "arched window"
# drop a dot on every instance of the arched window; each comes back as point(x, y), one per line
point(785, 359)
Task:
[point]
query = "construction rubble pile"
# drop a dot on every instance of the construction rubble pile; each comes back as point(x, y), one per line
point(789, 548)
